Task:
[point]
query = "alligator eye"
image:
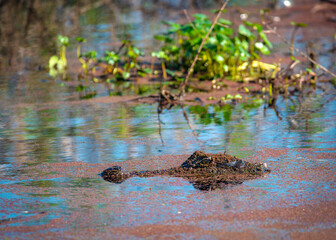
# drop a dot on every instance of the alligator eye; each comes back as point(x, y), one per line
point(115, 168)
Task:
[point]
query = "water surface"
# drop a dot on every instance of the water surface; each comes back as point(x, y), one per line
point(54, 144)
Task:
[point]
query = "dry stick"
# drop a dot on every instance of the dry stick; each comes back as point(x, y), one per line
point(191, 69)
point(302, 53)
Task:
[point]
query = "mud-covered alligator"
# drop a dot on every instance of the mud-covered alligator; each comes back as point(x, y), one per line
point(205, 171)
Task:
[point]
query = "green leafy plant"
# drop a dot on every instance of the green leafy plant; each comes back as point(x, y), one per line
point(119, 64)
point(80, 40)
point(64, 41)
point(130, 59)
point(88, 59)
point(111, 59)
point(160, 55)
point(57, 64)
point(227, 52)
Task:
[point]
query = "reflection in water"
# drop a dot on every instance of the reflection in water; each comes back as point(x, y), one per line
point(89, 133)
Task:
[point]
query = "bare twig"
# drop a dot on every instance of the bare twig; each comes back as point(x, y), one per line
point(222, 25)
point(300, 52)
point(191, 69)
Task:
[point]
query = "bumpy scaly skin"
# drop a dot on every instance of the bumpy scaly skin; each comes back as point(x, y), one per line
point(204, 171)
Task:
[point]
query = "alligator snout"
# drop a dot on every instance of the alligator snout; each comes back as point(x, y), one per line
point(114, 174)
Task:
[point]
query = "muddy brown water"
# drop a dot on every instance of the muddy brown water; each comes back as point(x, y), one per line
point(53, 144)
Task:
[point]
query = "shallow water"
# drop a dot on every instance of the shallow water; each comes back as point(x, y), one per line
point(51, 154)
point(53, 145)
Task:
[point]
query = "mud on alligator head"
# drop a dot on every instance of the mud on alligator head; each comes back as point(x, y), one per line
point(204, 171)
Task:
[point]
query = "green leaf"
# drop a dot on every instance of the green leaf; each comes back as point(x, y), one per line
point(217, 11)
point(245, 44)
point(244, 31)
point(63, 40)
point(257, 27)
point(187, 29)
point(126, 75)
point(174, 49)
point(57, 63)
point(262, 48)
point(219, 58)
point(136, 51)
point(226, 68)
point(298, 24)
point(227, 31)
point(213, 40)
point(147, 70)
point(111, 57)
point(264, 37)
point(173, 26)
point(238, 96)
point(80, 39)
point(160, 54)
point(294, 59)
point(141, 74)
point(243, 54)
point(80, 88)
point(309, 70)
point(199, 16)
point(170, 72)
point(161, 38)
point(228, 97)
point(90, 55)
point(224, 21)
point(249, 24)
point(193, 42)
point(132, 54)
point(255, 55)
point(53, 61)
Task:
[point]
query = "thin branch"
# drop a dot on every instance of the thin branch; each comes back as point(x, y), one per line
point(191, 69)
point(222, 25)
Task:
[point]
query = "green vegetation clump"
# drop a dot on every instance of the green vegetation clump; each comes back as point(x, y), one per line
point(117, 65)
point(121, 64)
point(228, 52)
